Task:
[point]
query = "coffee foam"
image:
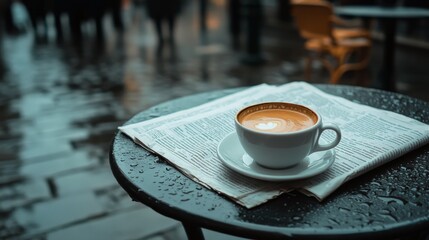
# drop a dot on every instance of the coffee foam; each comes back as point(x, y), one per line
point(277, 117)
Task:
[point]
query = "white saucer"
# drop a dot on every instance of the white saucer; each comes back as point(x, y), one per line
point(233, 155)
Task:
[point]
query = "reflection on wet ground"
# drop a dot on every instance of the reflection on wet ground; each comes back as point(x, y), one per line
point(61, 103)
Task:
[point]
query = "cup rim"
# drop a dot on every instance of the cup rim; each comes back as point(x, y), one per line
point(281, 133)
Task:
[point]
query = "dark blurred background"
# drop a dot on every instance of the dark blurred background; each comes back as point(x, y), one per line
point(71, 72)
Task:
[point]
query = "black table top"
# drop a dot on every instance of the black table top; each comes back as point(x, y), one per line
point(382, 12)
point(386, 202)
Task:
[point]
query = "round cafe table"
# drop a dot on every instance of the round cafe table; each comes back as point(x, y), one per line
point(389, 202)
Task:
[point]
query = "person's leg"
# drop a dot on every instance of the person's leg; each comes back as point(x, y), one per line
point(99, 26)
point(75, 21)
point(171, 20)
point(116, 10)
point(158, 29)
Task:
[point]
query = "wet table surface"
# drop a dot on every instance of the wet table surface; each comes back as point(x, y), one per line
point(390, 201)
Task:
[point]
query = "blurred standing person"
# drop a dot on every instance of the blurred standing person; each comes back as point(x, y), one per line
point(6, 17)
point(163, 11)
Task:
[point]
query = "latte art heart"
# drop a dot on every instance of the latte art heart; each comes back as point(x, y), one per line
point(266, 126)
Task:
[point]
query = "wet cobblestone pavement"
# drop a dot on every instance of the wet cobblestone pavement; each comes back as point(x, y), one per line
point(60, 105)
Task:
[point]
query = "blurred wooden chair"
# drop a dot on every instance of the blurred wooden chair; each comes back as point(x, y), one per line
point(342, 28)
point(336, 48)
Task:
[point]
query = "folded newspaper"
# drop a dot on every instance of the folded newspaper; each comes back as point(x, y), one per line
point(188, 139)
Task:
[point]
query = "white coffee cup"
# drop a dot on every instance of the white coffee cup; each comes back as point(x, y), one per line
point(280, 134)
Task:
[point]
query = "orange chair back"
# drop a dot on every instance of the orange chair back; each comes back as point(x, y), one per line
point(313, 18)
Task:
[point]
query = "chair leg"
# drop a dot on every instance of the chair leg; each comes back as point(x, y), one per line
point(323, 58)
point(343, 67)
point(308, 68)
point(337, 74)
point(328, 65)
point(364, 78)
point(193, 232)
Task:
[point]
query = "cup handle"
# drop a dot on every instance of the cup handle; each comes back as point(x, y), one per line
point(323, 147)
